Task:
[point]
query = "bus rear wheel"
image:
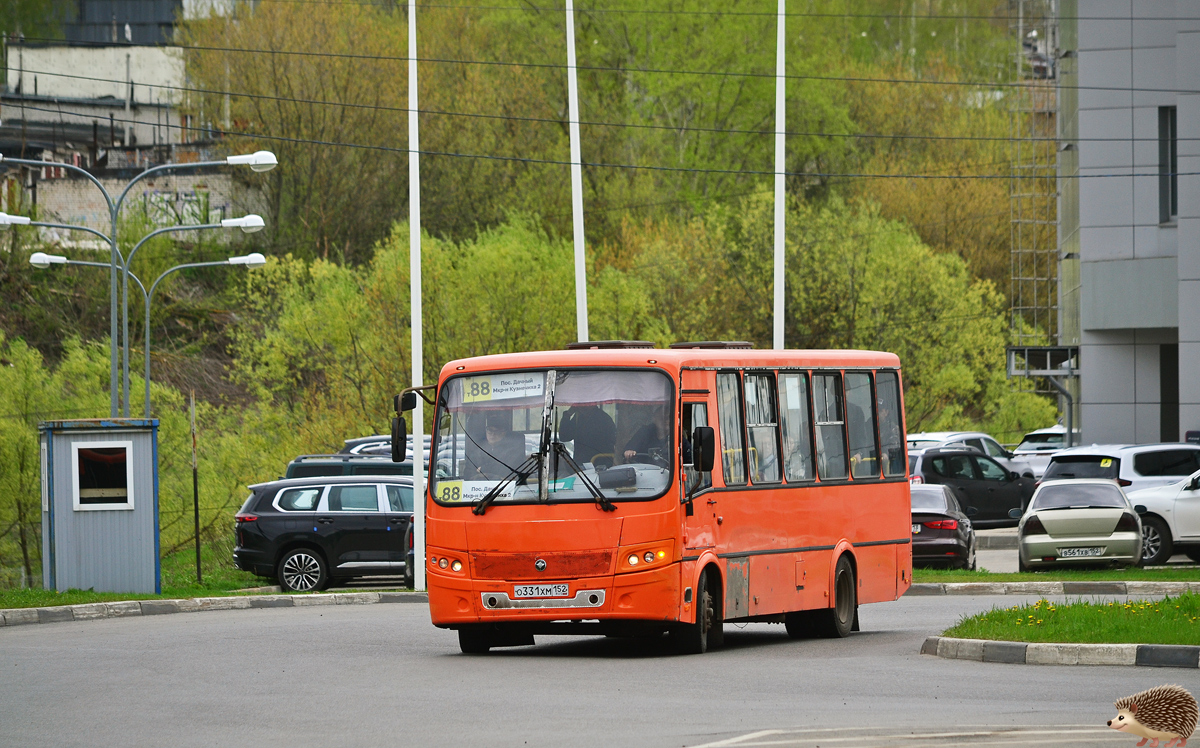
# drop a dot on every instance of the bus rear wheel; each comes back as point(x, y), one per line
point(837, 622)
point(708, 630)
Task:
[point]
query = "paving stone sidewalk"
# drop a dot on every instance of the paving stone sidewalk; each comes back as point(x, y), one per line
point(92, 611)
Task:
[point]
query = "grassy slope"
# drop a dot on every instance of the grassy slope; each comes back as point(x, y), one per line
point(1167, 621)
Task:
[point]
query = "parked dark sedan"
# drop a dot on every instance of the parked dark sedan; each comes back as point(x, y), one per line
point(942, 534)
point(312, 532)
point(977, 481)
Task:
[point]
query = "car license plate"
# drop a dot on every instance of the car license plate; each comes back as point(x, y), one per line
point(540, 590)
point(1079, 552)
point(916, 529)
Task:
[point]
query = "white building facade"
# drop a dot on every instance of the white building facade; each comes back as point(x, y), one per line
point(1129, 214)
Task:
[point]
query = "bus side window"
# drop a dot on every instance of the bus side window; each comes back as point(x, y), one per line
point(729, 412)
point(694, 414)
point(860, 416)
point(797, 428)
point(763, 428)
point(831, 426)
point(891, 435)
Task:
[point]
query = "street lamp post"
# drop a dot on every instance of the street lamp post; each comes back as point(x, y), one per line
point(258, 161)
point(43, 260)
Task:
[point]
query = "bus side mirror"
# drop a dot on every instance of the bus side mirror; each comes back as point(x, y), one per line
point(406, 402)
point(399, 438)
point(704, 448)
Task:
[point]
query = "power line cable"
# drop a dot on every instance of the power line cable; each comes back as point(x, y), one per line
point(660, 71)
point(553, 121)
point(763, 14)
point(646, 167)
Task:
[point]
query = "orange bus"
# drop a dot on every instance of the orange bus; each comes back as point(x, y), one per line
point(627, 491)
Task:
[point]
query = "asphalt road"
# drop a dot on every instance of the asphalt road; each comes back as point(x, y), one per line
point(382, 675)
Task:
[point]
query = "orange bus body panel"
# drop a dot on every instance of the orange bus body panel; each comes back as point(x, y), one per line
point(774, 547)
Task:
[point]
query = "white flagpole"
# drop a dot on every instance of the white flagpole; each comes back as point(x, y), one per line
point(780, 169)
point(581, 312)
point(414, 263)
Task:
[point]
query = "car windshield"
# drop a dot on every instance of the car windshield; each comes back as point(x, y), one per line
point(1039, 442)
point(928, 499)
point(1082, 466)
point(609, 432)
point(1079, 495)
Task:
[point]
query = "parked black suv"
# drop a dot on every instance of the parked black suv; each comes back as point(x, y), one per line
point(307, 466)
point(311, 532)
point(977, 481)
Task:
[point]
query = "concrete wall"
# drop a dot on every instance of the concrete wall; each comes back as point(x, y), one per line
point(94, 72)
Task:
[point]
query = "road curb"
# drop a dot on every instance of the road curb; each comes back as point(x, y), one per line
point(95, 611)
point(1054, 588)
point(1027, 653)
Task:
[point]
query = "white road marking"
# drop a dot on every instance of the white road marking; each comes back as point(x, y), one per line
point(864, 737)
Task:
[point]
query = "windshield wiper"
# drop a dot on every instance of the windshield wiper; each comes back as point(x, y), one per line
point(560, 449)
point(521, 472)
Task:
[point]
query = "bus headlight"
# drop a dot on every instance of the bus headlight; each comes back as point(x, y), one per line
point(646, 555)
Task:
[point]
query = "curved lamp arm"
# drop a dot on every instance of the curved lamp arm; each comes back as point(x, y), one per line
point(68, 167)
point(72, 227)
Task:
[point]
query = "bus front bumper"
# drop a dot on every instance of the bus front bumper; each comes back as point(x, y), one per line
point(652, 595)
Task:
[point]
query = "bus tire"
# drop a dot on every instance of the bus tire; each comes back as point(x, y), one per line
point(473, 642)
point(837, 622)
point(696, 638)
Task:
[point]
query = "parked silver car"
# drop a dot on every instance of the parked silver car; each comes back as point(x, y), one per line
point(1086, 521)
point(977, 439)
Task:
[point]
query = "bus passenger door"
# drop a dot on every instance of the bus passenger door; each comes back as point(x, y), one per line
point(700, 514)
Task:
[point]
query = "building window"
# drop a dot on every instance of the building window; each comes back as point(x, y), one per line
point(1168, 166)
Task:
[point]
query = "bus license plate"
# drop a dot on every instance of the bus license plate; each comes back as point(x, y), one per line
point(540, 590)
point(1079, 552)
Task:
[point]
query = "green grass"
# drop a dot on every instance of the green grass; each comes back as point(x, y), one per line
point(1167, 621)
point(178, 580)
point(1066, 575)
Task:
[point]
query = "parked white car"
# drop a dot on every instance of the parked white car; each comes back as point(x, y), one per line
point(1037, 446)
point(1171, 522)
point(1133, 466)
point(977, 439)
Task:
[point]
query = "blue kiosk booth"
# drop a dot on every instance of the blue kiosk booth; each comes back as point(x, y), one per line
point(100, 505)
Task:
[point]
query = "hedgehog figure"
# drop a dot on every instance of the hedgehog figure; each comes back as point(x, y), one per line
point(1164, 713)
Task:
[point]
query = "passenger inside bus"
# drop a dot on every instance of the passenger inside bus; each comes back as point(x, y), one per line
point(498, 453)
point(592, 430)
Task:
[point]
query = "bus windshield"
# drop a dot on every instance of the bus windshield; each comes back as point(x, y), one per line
point(607, 437)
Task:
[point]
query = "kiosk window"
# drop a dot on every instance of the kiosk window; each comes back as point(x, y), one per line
point(102, 479)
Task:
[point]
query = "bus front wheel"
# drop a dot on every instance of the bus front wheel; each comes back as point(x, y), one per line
point(838, 621)
point(474, 642)
point(708, 630)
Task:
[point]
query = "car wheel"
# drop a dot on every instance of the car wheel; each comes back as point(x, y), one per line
point(474, 642)
point(1194, 556)
point(1156, 541)
point(410, 577)
point(302, 570)
point(1021, 566)
point(837, 622)
point(698, 637)
point(970, 564)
